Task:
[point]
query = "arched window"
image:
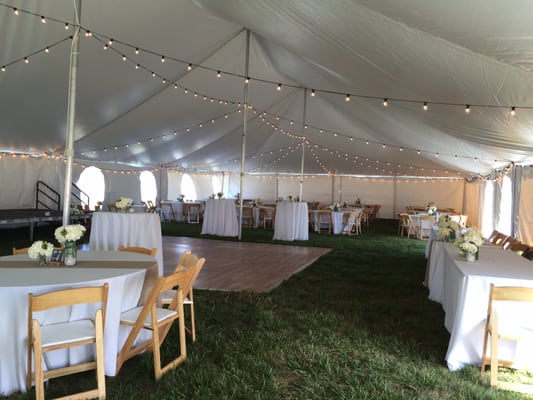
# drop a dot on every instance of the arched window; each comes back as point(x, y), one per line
point(187, 187)
point(148, 186)
point(92, 182)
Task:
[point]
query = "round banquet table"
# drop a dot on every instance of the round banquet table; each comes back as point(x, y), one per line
point(19, 276)
point(292, 221)
point(220, 218)
point(110, 230)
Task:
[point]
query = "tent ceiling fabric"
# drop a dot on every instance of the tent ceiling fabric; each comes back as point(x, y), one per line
point(448, 54)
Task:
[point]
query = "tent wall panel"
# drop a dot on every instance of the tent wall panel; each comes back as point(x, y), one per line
point(525, 212)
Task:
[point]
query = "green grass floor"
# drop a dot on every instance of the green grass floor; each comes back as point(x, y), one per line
point(356, 324)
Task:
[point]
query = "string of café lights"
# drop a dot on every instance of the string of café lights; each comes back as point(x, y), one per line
point(108, 42)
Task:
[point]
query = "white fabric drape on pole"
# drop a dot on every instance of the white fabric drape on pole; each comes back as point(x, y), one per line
point(71, 112)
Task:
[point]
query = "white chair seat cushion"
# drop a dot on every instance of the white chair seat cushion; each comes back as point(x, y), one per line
point(168, 295)
point(66, 332)
point(132, 315)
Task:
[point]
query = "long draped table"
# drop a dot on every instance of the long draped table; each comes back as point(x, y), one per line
point(220, 218)
point(292, 221)
point(20, 276)
point(463, 290)
point(110, 230)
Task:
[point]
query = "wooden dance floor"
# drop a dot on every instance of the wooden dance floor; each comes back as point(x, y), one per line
point(240, 266)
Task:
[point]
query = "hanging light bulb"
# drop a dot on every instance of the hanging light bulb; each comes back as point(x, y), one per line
point(385, 102)
point(246, 80)
point(88, 34)
point(162, 59)
point(347, 98)
point(43, 19)
point(279, 87)
point(425, 106)
point(313, 94)
point(218, 74)
point(15, 11)
point(3, 68)
point(110, 42)
point(137, 66)
point(47, 50)
point(66, 26)
point(124, 58)
point(136, 50)
point(189, 67)
point(513, 111)
point(26, 60)
point(467, 109)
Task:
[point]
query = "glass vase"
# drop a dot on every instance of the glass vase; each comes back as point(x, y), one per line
point(70, 253)
point(42, 260)
point(470, 257)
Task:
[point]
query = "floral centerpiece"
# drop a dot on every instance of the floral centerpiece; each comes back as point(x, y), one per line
point(280, 198)
point(41, 250)
point(289, 197)
point(335, 207)
point(123, 203)
point(431, 208)
point(254, 202)
point(447, 227)
point(358, 201)
point(67, 236)
point(344, 204)
point(220, 194)
point(181, 197)
point(98, 206)
point(468, 244)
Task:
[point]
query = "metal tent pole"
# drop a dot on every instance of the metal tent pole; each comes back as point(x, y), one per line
point(303, 144)
point(244, 130)
point(71, 111)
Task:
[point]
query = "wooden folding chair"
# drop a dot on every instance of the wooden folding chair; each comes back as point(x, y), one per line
point(324, 222)
point(158, 321)
point(499, 326)
point(187, 261)
point(141, 250)
point(247, 218)
point(167, 210)
point(425, 221)
point(64, 335)
point(403, 224)
point(23, 250)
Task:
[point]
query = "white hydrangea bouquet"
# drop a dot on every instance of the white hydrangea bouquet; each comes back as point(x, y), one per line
point(41, 250)
point(468, 244)
point(123, 202)
point(447, 227)
point(431, 208)
point(69, 233)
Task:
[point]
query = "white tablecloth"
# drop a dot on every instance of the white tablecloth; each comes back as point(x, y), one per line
point(110, 230)
point(292, 221)
point(125, 287)
point(220, 218)
point(463, 290)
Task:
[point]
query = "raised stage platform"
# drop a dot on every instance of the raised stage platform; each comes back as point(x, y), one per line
point(32, 217)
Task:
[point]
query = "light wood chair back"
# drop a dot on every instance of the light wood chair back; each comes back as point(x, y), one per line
point(141, 250)
point(247, 218)
point(167, 209)
point(498, 326)
point(187, 261)
point(23, 250)
point(425, 223)
point(158, 321)
point(267, 216)
point(413, 227)
point(324, 222)
point(403, 224)
point(64, 335)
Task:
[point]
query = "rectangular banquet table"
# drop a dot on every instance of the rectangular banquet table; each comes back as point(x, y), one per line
point(292, 221)
point(110, 230)
point(220, 218)
point(463, 290)
point(18, 278)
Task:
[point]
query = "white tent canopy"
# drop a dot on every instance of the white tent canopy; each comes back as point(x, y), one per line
point(448, 54)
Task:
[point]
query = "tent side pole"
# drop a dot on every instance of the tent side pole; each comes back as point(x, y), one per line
point(244, 130)
point(71, 112)
point(304, 117)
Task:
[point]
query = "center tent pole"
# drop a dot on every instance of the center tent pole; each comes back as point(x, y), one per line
point(303, 144)
point(71, 112)
point(244, 130)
